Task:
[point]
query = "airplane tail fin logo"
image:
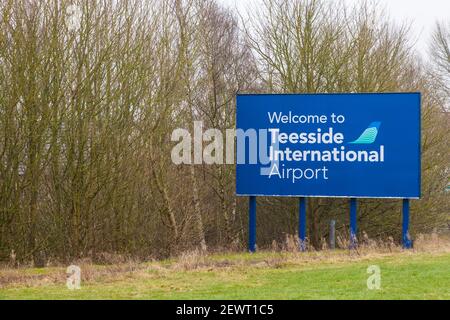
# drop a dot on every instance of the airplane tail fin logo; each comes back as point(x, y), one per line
point(369, 135)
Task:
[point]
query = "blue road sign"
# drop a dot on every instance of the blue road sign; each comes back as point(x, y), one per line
point(329, 145)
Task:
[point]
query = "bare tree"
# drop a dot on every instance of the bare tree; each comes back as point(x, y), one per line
point(440, 52)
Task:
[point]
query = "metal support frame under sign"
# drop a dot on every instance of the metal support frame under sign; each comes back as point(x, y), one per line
point(406, 239)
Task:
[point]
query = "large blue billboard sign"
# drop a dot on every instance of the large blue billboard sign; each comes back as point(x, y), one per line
point(329, 145)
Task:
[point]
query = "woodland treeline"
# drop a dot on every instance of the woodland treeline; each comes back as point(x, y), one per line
point(87, 112)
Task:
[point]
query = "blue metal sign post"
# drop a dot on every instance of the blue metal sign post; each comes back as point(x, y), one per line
point(252, 224)
point(407, 243)
point(353, 223)
point(302, 223)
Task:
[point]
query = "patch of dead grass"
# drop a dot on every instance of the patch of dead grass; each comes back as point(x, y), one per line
point(199, 261)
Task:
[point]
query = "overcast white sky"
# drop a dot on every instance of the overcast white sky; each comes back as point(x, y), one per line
point(422, 14)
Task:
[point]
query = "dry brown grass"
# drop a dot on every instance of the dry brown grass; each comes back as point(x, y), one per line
point(57, 275)
point(190, 260)
point(285, 254)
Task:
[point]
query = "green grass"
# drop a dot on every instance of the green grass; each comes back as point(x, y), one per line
point(403, 276)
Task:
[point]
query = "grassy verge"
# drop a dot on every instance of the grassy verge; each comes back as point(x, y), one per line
point(330, 275)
